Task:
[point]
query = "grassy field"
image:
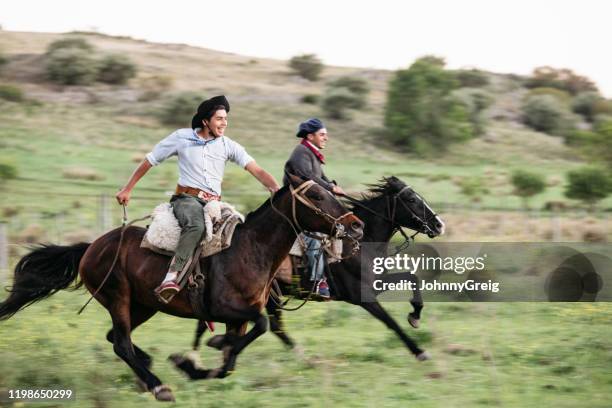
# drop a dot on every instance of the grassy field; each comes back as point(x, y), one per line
point(506, 355)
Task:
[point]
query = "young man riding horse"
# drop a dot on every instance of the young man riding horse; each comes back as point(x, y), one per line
point(202, 152)
point(306, 161)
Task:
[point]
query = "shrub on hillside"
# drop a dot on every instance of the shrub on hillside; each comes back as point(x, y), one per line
point(584, 104)
point(358, 86)
point(564, 79)
point(179, 109)
point(562, 96)
point(476, 101)
point(336, 101)
point(82, 173)
point(307, 66)
point(71, 66)
point(11, 93)
point(588, 184)
point(70, 42)
point(154, 86)
point(3, 60)
point(420, 112)
point(471, 78)
point(310, 99)
point(527, 184)
point(473, 188)
point(116, 69)
point(546, 114)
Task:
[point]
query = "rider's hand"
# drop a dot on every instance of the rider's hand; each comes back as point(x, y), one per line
point(123, 196)
point(273, 189)
point(338, 190)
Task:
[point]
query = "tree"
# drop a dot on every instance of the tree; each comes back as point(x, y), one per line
point(307, 66)
point(71, 66)
point(527, 184)
point(421, 114)
point(546, 114)
point(563, 78)
point(588, 184)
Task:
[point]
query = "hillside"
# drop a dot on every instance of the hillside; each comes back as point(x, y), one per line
point(77, 143)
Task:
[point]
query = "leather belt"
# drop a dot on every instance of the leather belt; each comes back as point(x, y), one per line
point(196, 192)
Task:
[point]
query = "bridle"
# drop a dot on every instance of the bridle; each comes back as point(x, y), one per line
point(337, 230)
point(390, 217)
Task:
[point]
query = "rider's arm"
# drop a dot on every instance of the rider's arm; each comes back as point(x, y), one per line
point(123, 196)
point(263, 176)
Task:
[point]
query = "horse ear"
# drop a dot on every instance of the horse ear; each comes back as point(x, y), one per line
point(295, 180)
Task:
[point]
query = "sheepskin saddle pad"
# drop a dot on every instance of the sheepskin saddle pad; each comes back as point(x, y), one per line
point(163, 233)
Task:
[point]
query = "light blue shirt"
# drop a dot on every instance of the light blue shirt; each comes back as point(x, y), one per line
point(201, 162)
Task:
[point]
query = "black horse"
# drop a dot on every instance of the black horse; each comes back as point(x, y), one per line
point(385, 209)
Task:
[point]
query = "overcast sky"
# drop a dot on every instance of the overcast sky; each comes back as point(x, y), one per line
point(497, 35)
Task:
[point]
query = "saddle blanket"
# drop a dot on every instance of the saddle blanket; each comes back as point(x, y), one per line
point(163, 234)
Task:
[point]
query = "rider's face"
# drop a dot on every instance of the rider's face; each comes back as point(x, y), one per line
point(319, 138)
point(218, 122)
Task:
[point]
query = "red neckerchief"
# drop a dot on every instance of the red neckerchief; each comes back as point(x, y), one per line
point(317, 153)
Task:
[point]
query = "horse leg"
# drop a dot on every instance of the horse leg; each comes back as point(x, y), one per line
point(123, 347)
point(232, 343)
point(417, 304)
point(276, 323)
point(376, 310)
point(138, 315)
point(200, 330)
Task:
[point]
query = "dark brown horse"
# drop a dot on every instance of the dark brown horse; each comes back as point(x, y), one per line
point(238, 279)
point(385, 209)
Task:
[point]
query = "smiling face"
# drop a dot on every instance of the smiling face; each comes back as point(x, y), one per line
point(318, 138)
point(217, 122)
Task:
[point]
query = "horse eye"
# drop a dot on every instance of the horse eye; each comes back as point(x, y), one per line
point(317, 196)
point(412, 200)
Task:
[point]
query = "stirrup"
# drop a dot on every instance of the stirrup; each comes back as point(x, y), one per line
point(166, 291)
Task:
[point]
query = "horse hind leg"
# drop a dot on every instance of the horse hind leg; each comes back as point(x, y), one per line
point(123, 347)
point(200, 330)
point(275, 317)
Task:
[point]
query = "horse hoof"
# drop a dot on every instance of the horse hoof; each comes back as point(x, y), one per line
point(163, 393)
point(414, 322)
point(217, 341)
point(423, 356)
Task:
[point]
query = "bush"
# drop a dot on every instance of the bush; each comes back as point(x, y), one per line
point(153, 86)
point(584, 104)
point(564, 79)
point(546, 114)
point(116, 69)
point(336, 101)
point(476, 101)
point(82, 173)
point(307, 66)
point(179, 109)
point(358, 86)
point(588, 184)
point(3, 59)
point(420, 112)
point(11, 93)
point(71, 66)
point(310, 99)
point(70, 42)
point(471, 78)
point(527, 184)
point(561, 96)
point(473, 188)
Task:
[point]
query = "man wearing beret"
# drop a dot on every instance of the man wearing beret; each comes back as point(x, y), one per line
point(202, 152)
point(306, 161)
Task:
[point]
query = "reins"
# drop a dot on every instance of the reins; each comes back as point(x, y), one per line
point(124, 225)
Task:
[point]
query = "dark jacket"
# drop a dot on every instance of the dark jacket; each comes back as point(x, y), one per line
point(305, 164)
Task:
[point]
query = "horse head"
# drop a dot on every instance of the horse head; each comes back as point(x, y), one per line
point(316, 209)
point(408, 209)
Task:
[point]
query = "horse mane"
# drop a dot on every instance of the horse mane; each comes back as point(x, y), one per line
point(264, 207)
point(386, 186)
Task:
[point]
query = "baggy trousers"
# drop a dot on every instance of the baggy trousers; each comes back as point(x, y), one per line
point(189, 212)
point(316, 258)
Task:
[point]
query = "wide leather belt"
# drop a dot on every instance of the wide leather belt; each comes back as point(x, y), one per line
point(196, 192)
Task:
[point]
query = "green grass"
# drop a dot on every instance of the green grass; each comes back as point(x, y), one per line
point(508, 355)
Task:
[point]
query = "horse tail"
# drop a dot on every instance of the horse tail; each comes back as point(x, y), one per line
point(40, 274)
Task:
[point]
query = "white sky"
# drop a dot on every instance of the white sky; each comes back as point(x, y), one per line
point(496, 35)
